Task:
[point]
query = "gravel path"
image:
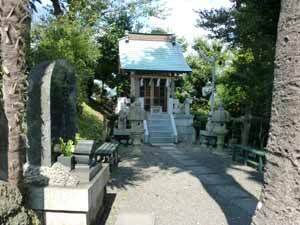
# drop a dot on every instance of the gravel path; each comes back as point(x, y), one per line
point(183, 185)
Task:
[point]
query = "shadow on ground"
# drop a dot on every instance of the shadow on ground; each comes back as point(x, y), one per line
point(214, 171)
point(108, 203)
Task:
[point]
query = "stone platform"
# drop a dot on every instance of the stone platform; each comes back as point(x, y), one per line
point(70, 205)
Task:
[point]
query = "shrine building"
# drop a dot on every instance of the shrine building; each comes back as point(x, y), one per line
point(153, 62)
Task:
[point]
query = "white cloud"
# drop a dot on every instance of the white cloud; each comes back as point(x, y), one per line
point(183, 18)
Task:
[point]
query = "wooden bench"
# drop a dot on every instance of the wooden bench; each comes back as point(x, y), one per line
point(108, 153)
point(249, 155)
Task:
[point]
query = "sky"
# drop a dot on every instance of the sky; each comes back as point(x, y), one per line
point(181, 19)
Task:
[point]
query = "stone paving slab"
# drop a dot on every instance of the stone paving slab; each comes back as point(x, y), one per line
point(230, 191)
point(200, 170)
point(215, 179)
point(173, 152)
point(135, 219)
point(180, 158)
point(169, 148)
point(214, 191)
point(189, 163)
point(248, 205)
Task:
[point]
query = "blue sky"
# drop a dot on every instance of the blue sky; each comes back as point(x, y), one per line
point(181, 19)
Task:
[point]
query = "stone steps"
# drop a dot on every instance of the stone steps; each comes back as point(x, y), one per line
point(158, 140)
point(160, 129)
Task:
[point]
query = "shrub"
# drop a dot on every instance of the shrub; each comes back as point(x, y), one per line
point(67, 148)
point(90, 124)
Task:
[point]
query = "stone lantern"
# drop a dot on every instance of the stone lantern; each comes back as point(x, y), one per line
point(136, 117)
point(219, 119)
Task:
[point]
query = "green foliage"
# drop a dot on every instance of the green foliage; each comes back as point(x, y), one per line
point(90, 125)
point(67, 148)
point(62, 38)
point(107, 65)
point(250, 26)
point(192, 84)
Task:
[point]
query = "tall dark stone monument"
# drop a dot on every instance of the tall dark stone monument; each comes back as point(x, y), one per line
point(51, 110)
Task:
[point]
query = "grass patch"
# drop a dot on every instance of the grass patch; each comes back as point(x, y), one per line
point(90, 124)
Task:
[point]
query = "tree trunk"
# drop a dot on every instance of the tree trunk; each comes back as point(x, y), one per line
point(57, 7)
point(14, 17)
point(280, 200)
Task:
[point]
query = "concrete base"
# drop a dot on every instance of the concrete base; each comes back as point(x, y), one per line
point(85, 173)
point(69, 205)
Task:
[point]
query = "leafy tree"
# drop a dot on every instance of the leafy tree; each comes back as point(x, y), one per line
point(108, 20)
point(108, 64)
point(255, 40)
point(62, 38)
point(202, 72)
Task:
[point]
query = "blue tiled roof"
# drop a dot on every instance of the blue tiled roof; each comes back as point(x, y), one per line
point(152, 56)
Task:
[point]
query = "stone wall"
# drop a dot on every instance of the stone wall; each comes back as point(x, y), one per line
point(12, 212)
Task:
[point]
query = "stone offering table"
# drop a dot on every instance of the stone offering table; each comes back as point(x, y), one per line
point(86, 167)
point(78, 205)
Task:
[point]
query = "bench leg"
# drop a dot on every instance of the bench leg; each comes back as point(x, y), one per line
point(245, 157)
point(233, 155)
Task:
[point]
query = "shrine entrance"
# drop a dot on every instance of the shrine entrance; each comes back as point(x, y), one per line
point(155, 95)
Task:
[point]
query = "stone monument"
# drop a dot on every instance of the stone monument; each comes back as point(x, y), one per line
point(122, 132)
point(51, 110)
point(187, 106)
point(51, 115)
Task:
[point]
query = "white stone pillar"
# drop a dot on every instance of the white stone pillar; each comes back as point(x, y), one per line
point(137, 87)
point(172, 85)
point(170, 105)
point(142, 101)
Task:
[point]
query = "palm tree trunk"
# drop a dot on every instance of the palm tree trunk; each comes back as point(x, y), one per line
point(280, 200)
point(14, 17)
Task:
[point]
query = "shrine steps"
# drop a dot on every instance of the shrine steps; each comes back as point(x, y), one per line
point(160, 129)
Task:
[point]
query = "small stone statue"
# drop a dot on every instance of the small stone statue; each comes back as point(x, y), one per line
point(187, 104)
point(176, 108)
point(122, 121)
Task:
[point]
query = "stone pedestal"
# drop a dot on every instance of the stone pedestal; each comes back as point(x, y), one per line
point(220, 132)
point(184, 126)
point(136, 138)
point(70, 205)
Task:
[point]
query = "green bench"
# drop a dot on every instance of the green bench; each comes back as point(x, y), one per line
point(108, 153)
point(249, 155)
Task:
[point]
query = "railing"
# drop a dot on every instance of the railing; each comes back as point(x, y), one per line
point(174, 127)
point(146, 134)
